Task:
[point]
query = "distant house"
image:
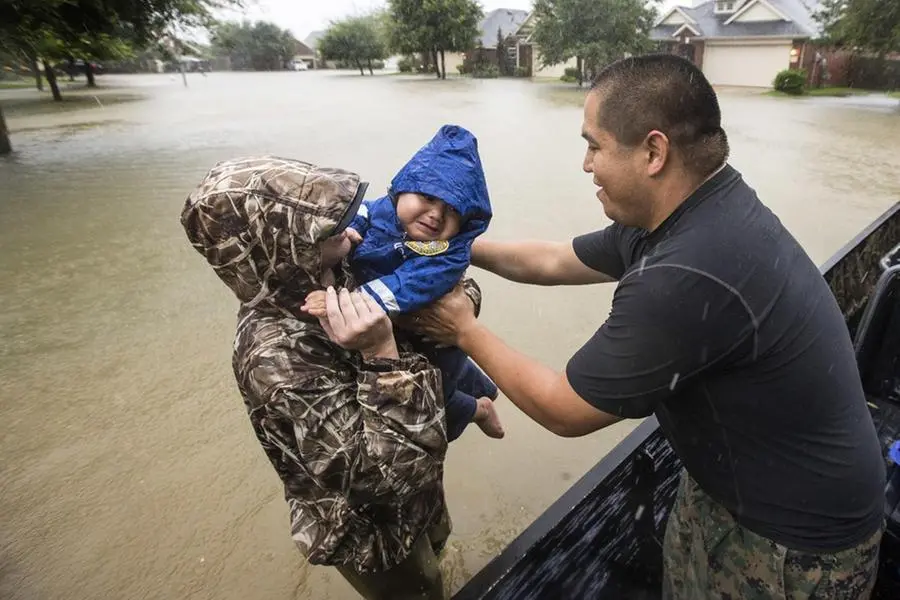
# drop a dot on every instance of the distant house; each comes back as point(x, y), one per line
point(502, 23)
point(303, 53)
point(740, 42)
point(528, 54)
point(506, 20)
point(312, 43)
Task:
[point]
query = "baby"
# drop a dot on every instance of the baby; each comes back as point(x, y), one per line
point(414, 246)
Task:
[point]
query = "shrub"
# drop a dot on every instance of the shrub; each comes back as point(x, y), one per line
point(791, 81)
point(572, 72)
point(486, 71)
point(569, 79)
point(521, 71)
point(463, 69)
point(405, 65)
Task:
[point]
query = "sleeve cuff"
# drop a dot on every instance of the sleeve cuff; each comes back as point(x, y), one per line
point(408, 361)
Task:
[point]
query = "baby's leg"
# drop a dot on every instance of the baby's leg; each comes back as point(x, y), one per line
point(462, 409)
point(473, 381)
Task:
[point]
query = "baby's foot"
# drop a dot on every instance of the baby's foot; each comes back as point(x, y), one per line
point(487, 419)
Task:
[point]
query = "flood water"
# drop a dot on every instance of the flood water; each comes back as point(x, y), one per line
point(129, 469)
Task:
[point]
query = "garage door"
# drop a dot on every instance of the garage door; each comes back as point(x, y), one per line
point(746, 64)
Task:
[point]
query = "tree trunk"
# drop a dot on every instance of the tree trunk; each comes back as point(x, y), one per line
point(89, 73)
point(434, 61)
point(5, 146)
point(580, 67)
point(51, 79)
point(36, 69)
point(183, 73)
point(371, 71)
point(443, 66)
point(359, 66)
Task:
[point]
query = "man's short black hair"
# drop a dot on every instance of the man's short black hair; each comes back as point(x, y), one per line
point(669, 94)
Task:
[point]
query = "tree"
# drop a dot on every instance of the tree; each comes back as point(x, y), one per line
point(503, 64)
point(64, 29)
point(867, 25)
point(357, 40)
point(5, 146)
point(260, 46)
point(595, 32)
point(434, 27)
point(47, 29)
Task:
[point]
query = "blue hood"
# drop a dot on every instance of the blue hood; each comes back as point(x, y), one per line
point(449, 168)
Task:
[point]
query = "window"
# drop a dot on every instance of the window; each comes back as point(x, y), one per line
point(725, 6)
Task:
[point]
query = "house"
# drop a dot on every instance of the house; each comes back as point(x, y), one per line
point(505, 22)
point(528, 55)
point(303, 53)
point(312, 43)
point(740, 42)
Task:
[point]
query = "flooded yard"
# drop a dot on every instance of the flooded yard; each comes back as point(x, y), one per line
point(129, 467)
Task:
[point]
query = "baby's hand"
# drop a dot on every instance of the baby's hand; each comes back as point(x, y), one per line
point(315, 304)
point(353, 235)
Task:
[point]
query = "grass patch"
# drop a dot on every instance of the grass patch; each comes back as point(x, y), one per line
point(837, 92)
point(72, 101)
point(830, 92)
point(15, 85)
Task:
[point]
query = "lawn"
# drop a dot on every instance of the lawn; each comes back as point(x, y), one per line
point(833, 92)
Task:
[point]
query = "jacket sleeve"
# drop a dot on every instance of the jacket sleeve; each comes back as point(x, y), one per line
point(420, 280)
point(379, 438)
point(361, 221)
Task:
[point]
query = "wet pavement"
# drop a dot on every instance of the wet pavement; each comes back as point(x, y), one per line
point(129, 468)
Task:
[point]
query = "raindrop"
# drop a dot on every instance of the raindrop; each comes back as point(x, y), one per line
point(830, 368)
point(704, 354)
point(643, 264)
point(674, 381)
point(776, 261)
point(705, 310)
point(639, 512)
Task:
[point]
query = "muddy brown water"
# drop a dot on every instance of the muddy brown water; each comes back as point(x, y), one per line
point(129, 469)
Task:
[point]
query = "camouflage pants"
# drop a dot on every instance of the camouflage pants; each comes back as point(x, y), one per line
point(708, 555)
point(416, 578)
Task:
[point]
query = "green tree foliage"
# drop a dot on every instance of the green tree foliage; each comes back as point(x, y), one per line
point(434, 27)
point(356, 40)
point(596, 32)
point(45, 30)
point(259, 46)
point(865, 25)
point(51, 30)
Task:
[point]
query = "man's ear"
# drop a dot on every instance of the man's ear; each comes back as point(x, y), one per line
point(657, 147)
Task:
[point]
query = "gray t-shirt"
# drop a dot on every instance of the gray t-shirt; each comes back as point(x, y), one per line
point(724, 328)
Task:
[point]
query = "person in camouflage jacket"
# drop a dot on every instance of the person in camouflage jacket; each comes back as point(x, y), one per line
point(358, 442)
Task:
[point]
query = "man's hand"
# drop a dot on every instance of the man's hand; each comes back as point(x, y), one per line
point(315, 304)
point(446, 320)
point(356, 322)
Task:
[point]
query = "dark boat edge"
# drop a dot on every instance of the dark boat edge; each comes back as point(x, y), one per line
point(851, 272)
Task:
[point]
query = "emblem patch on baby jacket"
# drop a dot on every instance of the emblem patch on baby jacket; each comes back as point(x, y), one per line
point(428, 248)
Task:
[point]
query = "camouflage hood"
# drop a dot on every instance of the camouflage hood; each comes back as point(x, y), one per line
point(259, 220)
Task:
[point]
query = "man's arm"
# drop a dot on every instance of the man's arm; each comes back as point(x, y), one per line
point(535, 262)
point(537, 390)
point(666, 327)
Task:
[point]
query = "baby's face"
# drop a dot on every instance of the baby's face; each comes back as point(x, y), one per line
point(427, 219)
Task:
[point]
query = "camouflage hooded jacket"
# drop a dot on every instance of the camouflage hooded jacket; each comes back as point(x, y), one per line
point(359, 445)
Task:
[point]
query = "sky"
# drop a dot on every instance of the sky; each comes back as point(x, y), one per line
point(305, 16)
